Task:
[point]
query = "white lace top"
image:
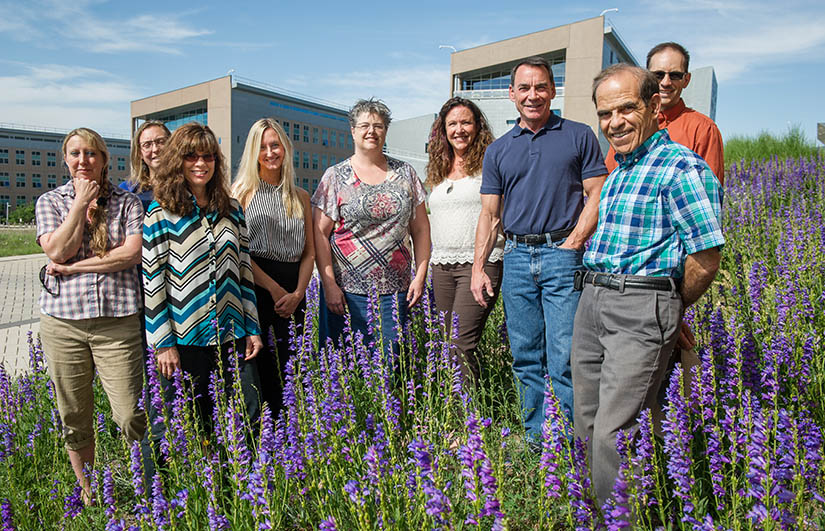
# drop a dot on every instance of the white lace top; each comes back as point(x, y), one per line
point(454, 210)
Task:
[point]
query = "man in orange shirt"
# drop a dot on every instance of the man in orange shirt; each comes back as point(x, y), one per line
point(669, 63)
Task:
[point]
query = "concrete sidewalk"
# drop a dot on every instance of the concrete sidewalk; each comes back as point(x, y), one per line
point(19, 309)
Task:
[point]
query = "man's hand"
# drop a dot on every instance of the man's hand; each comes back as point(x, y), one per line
point(168, 360)
point(480, 285)
point(686, 339)
point(253, 346)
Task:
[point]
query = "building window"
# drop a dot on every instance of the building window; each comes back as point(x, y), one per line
point(52, 182)
point(315, 161)
point(4, 156)
point(296, 159)
point(4, 200)
point(121, 164)
point(296, 132)
point(66, 178)
point(349, 142)
point(324, 140)
point(305, 183)
point(332, 160)
point(286, 128)
point(323, 161)
point(20, 157)
point(306, 160)
point(314, 135)
point(36, 182)
point(334, 138)
point(21, 180)
point(36, 158)
point(21, 200)
point(4, 179)
point(51, 159)
point(341, 139)
point(306, 133)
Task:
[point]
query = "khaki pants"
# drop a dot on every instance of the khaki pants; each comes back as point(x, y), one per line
point(74, 348)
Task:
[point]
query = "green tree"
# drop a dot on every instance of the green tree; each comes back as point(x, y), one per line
point(22, 214)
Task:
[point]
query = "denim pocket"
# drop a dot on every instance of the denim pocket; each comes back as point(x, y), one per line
point(556, 245)
point(509, 245)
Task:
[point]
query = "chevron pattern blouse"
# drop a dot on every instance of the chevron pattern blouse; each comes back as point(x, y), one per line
point(196, 275)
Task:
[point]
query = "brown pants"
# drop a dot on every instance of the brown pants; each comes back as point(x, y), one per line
point(74, 348)
point(451, 284)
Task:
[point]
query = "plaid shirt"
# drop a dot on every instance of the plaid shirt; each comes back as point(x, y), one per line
point(661, 204)
point(91, 295)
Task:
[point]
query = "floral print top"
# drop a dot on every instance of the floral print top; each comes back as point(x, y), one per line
point(370, 240)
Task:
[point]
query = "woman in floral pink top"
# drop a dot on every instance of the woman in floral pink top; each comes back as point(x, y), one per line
point(365, 210)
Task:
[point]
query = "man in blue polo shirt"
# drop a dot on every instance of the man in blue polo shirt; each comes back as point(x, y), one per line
point(534, 181)
point(655, 251)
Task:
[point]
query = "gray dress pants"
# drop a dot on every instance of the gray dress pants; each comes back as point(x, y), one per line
point(621, 345)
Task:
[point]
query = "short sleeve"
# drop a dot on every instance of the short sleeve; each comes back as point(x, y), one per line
point(134, 215)
point(325, 197)
point(695, 212)
point(490, 174)
point(591, 156)
point(47, 217)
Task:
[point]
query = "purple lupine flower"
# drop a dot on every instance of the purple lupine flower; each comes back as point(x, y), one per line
point(160, 507)
point(478, 475)
point(73, 503)
point(678, 437)
point(6, 515)
point(554, 444)
point(327, 524)
point(438, 504)
point(758, 473)
point(578, 487)
point(109, 492)
point(616, 510)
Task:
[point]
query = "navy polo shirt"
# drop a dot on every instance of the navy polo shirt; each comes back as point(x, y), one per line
point(539, 176)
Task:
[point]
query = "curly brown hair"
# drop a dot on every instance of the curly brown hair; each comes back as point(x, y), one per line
point(440, 150)
point(169, 184)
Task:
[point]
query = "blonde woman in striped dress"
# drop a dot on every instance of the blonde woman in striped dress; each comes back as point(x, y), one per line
point(280, 242)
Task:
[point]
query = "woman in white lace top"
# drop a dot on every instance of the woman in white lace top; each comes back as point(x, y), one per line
point(459, 137)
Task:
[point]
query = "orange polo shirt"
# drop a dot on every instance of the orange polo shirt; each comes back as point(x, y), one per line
point(693, 130)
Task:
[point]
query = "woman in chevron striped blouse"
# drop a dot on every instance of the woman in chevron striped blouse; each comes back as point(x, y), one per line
point(197, 273)
point(281, 246)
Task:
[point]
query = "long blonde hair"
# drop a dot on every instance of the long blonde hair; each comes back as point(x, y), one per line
point(248, 178)
point(97, 224)
point(140, 171)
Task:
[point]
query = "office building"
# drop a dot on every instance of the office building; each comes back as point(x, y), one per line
point(31, 163)
point(229, 105)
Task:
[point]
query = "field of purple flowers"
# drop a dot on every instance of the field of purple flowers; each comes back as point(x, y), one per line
point(365, 446)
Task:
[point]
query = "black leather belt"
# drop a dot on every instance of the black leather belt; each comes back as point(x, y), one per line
point(539, 239)
point(620, 282)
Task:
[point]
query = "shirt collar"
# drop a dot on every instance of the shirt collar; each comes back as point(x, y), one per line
point(647, 146)
point(667, 116)
point(554, 122)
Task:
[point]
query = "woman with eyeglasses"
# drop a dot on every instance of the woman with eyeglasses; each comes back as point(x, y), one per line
point(147, 143)
point(91, 232)
point(365, 210)
point(460, 136)
point(199, 289)
point(280, 244)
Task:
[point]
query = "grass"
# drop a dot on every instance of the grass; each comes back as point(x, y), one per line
point(14, 242)
point(793, 144)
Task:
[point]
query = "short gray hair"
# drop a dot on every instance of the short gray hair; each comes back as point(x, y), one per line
point(648, 84)
point(370, 106)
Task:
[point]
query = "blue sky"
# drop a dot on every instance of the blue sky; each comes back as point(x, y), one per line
point(71, 63)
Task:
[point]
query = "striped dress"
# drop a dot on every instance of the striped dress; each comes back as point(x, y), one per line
point(197, 273)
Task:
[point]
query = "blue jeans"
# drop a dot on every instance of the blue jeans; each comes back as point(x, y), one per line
point(331, 325)
point(540, 304)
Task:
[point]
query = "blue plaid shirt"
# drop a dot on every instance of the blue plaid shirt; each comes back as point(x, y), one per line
point(660, 204)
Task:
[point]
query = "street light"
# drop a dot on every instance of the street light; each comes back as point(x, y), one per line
point(616, 9)
point(447, 46)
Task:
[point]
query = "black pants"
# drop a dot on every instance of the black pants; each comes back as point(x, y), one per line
point(272, 360)
point(199, 362)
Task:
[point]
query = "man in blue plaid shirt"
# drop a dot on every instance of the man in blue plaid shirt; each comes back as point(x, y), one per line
point(656, 249)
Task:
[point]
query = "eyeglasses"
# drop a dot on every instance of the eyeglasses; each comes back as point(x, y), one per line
point(56, 291)
point(364, 127)
point(159, 142)
point(193, 157)
point(674, 76)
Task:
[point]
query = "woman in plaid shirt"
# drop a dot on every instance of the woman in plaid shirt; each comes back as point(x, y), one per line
point(91, 232)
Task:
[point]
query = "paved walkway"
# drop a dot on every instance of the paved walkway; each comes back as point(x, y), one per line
point(19, 310)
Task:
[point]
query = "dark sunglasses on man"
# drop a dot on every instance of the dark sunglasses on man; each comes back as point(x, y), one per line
point(55, 280)
point(674, 76)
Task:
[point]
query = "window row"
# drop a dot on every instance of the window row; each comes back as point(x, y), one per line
point(322, 162)
point(315, 135)
point(51, 159)
point(20, 201)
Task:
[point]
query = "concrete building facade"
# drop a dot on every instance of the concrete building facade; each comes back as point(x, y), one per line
point(700, 94)
point(229, 105)
point(31, 163)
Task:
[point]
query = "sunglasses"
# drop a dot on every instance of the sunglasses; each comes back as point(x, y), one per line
point(674, 76)
point(43, 275)
point(193, 157)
